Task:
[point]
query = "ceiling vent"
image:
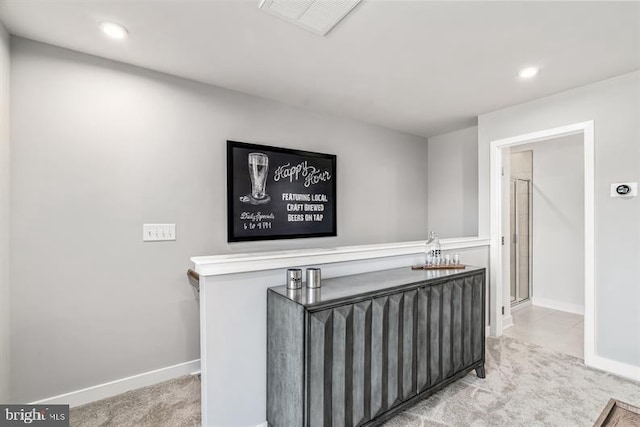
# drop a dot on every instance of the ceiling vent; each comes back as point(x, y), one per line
point(317, 16)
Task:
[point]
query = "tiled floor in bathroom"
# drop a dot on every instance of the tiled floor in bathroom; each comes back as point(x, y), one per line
point(553, 329)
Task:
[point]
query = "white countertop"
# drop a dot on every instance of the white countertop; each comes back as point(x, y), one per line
point(239, 263)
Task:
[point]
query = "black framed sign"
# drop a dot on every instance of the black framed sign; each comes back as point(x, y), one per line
point(278, 193)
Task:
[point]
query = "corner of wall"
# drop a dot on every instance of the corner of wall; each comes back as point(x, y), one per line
point(4, 215)
point(427, 218)
point(452, 158)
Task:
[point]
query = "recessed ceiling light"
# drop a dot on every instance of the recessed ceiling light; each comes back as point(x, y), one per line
point(115, 31)
point(529, 72)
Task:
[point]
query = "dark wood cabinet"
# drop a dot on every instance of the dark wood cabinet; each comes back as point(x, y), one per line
point(364, 347)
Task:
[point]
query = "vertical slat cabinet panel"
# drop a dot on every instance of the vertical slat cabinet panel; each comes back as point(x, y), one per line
point(477, 317)
point(394, 353)
point(319, 371)
point(467, 351)
point(409, 343)
point(456, 329)
point(379, 349)
point(447, 365)
point(342, 380)
point(361, 394)
point(435, 337)
point(285, 355)
point(422, 339)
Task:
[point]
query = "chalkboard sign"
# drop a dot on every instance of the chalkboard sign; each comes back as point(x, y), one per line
point(278, 193)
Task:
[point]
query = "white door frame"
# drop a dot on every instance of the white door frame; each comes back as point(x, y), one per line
point(496, 286)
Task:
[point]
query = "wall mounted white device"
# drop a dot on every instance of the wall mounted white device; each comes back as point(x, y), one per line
point(624, 189)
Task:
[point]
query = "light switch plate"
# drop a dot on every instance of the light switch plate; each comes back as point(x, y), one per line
point(158, 232)
point(632, 188)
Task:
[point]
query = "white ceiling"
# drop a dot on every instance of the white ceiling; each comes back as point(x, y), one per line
point(421, 67)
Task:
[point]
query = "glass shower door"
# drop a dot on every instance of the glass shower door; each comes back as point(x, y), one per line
point(520, 220)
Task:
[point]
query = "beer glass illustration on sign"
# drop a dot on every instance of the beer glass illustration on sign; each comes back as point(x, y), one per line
point(258, 172)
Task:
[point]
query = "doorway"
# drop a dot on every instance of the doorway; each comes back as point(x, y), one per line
point(500, 287)
point(546, 269)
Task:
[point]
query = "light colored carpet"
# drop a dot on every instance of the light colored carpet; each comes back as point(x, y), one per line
point(172, 403)
point(526, 385)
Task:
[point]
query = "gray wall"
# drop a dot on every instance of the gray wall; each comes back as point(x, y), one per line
point(452, 184)
point(4, 215)
point(99, 148)
point(558, 222)
point(614, 105)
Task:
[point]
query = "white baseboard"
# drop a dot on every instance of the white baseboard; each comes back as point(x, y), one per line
point(520, 306)
point(557, 305)
point(614, 367)
point(102, 391)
